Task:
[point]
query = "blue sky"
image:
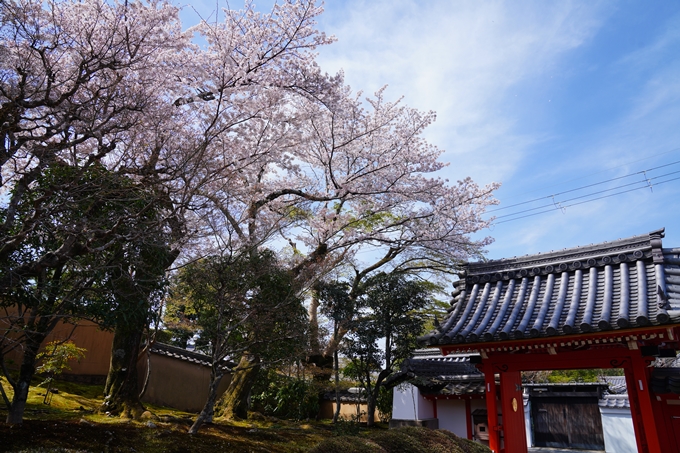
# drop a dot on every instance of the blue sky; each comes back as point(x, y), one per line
point(545, 97)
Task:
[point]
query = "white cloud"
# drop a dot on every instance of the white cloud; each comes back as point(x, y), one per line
point(491, 70)
point(461, 59)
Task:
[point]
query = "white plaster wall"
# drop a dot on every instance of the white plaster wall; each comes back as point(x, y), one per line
point(425, 408)
point(409, 404)
point(451, 414)
point(405, 400)
point(527, 423)
point(619, 434)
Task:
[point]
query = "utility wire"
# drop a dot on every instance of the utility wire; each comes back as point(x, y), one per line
point(646, 182)
point(584, 187)
point(586, 201)
point(604, 170)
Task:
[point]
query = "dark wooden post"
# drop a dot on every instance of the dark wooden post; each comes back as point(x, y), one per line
point(512, 407)
point(468, 416)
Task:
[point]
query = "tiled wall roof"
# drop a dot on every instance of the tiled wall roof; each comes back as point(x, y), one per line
point(446, 375)
point(185, 355)
point(615, 401)
point(617, 384)
point(622, 284)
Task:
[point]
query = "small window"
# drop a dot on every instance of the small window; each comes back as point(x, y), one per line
point(482, 428)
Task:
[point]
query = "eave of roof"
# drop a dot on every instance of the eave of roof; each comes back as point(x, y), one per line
point(625, 284)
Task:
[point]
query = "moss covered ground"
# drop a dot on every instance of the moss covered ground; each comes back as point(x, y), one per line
point(70, 424)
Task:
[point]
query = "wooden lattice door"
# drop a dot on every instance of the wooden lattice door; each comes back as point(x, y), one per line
point(567, 423)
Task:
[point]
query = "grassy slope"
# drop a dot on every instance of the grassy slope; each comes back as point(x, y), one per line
point(70, 424)
point(403, 440)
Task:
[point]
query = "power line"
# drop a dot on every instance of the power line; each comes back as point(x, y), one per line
point(647, 183)
point(608, 169)
point(586, 201)
point(583, 187)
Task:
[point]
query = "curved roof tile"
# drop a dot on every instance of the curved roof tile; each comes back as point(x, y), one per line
point(621, 284)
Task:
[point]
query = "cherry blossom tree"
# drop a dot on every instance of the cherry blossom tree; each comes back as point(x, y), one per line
point(118, 84)
point(353, 174)
point(243, 141)
point(76, 78)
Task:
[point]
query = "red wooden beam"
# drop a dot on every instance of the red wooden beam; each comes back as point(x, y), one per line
point(669, 334)
point(609, 357)
point(641, 388)
point(635, 409)
point(454, 397)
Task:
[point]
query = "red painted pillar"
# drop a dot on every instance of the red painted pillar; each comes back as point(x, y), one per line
point(492, 409)
point(512, 407)
point(468, 417)
point(641, 406)
point(635, 410)
point(644, 396)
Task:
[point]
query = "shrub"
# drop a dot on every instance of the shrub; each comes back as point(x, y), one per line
point(286, 397)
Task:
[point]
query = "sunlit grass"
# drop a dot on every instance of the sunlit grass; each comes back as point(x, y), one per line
point(71, 400)
point(71, 424)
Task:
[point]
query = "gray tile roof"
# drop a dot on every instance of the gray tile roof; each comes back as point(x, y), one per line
point(433, 373)
point(186, 355)
point(615, 401)
point(665, 380)
point(628, 283)
point(617, 384)
point(453, 366)
point(347, 396)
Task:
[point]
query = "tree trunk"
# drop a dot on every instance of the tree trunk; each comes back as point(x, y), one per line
point(206, 415)
point(15, 414)
point(314, 346)
point(121, 390)
point(336, 369)
point(235, 403)
point(372, 395)
point(372, 400)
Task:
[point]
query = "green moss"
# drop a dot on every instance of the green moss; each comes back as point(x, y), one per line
point(408, 439)
point(70, 425)
point(346, 444)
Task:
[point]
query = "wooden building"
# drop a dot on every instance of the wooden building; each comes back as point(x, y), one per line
point(609, 305)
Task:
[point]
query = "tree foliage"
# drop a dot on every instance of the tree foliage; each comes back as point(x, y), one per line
point(245, 305)
point(96, 232)
point(285, 397)
point(55, 360)
point(124, 146)
point(386, 334)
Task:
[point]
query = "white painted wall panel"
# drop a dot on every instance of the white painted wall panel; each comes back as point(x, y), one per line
point(405, 402)
point(451, 414)
point(527, 423)
point(425, 408)
point(619, 434)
